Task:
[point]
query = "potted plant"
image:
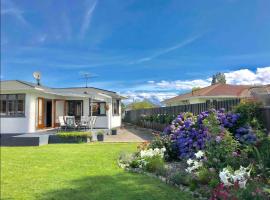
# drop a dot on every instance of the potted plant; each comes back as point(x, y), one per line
point(100, 135)
point(114, 131)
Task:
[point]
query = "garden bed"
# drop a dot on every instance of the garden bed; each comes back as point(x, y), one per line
point(216, 155)
point(70, 137)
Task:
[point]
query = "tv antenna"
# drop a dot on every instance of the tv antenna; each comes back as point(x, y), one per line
point(86, 76)
point(37, 76)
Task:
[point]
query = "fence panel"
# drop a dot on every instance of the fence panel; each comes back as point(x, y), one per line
point(134, 116)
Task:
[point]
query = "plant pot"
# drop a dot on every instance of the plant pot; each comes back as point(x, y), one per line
point(114, 132)
point(100, 137)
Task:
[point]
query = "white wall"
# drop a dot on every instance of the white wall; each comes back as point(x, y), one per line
point(21, 124)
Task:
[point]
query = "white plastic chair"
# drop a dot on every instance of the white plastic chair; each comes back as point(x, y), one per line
point(62, 124)
point(84, 123)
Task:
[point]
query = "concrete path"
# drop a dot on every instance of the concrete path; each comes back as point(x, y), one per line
point(130, 133)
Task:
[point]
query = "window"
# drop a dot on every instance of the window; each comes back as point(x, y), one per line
point(116, 105)
point(99, 108)
point(75, 108)
point(12, 105)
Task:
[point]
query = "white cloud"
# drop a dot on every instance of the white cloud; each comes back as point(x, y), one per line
point(9, 8)
point(155, 97)
point(181, 84)
point(167, 50)
point(248, 77)
point(157, 91)
point(87, 19)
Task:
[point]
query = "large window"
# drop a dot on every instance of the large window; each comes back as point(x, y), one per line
point(116, 105)
point(75, 108)
point(99, 108)
point(12, 105)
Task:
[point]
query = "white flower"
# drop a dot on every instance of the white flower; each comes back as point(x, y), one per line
point(241, 176)
point(225, 176)
point(199, 154)
point(153, 152)
point(189, 161)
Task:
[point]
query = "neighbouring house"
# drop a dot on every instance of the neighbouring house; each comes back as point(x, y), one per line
point(27, 107)
point(216, 92)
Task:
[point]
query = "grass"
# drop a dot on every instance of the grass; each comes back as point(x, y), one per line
point(76, 171)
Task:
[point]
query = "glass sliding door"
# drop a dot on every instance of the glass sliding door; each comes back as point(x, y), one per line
point(75, 108)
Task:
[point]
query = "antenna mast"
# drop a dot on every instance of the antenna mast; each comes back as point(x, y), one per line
point(86, 76)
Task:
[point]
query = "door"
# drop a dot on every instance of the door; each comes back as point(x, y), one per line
point(75, 108)
point(41, 112)
point(49, 113)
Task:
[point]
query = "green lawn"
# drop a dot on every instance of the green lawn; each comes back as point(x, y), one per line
point(76, 171)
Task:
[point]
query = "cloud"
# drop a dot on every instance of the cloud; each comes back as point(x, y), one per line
point(9, 8)
point(155, 97)
point(167, 50)
point(160, 90)
point(87, 18)
point(248, 77)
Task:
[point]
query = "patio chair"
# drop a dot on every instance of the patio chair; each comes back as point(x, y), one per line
point(84, 123)
point(62, 124)
point(70, 122)
point(92, 121)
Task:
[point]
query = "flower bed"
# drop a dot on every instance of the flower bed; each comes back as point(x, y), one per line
point(221, 155)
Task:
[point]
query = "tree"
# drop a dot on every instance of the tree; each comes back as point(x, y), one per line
point(141, 105)
point(194, 89)
point(219, 78)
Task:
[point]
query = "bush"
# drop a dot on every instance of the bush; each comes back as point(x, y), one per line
point(249, 114)
point(181, 178)
point(204, 175)
point(154, 164)
point(74, 134)
point(165, 141)
point(261, 156)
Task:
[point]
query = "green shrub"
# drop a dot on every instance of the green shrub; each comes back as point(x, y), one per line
point(165, 141)
point(126, 158)
point(261, 156)
point(75, 134)
point(161, 171)
point(101, 132)
point(204, 175)
point(249, 114)
point(154, 163)
point(213, 182)
point(221, 154)
point(181, 178)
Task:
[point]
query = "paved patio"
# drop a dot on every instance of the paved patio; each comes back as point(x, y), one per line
point(130, 133)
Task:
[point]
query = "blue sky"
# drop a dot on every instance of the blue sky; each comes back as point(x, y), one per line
point(152, 48)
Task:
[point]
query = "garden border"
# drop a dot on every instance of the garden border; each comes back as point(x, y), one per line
point(163, 179)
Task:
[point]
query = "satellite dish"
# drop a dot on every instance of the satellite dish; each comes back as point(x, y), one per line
point(37, 76)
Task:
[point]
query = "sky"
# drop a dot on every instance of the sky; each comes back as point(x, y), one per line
point(152, 49)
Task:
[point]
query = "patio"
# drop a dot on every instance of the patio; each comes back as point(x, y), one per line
point(127, 133)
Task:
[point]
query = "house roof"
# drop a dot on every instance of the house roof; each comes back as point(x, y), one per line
point(73, 91)
point(216, 90)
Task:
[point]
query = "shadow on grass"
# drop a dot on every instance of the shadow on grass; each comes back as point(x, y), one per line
point(118, 187)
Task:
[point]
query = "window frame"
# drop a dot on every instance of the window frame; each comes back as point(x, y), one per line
point(118, 108)
point(16, 100)
point(97, 102)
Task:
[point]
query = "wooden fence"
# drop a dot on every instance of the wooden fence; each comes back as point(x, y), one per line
point(135, 116)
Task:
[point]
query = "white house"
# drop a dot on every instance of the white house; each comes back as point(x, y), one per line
point(26, 107)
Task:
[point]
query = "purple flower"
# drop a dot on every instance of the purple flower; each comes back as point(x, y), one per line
point(218, 139)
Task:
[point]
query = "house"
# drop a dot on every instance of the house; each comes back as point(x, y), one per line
point(216, 92)
point(27, 107)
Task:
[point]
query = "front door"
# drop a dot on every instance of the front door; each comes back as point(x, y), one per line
point(41, 113)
